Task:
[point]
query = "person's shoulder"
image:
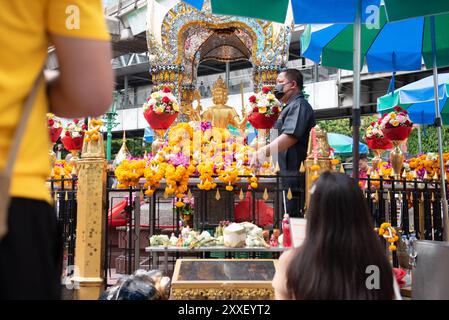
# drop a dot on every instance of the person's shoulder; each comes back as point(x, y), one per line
point(305, 102)
point(287, 256)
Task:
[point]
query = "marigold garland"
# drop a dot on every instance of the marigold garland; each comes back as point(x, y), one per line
point(389, 234)
point(129, 172)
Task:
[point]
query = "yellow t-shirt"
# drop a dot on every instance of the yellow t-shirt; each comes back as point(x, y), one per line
point(24, 27)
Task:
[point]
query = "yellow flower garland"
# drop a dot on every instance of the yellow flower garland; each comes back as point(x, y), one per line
point(129, 172)
point(389, 234)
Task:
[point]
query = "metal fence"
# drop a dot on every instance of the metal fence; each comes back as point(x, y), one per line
point(128, 232)
point(414, 207)
point(411, 206)
point(64, 193)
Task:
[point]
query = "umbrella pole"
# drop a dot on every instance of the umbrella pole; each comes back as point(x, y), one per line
point(438, 124)
point(356, 90)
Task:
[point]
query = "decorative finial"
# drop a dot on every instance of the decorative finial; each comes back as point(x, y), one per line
point(265, 195)
point(277, 168)
point(289, 194)
point(217, 195)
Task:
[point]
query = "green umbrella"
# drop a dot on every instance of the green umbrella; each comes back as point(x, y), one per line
point(391, 46)
point(394, 46)
point(342, 144)
point(404, 9)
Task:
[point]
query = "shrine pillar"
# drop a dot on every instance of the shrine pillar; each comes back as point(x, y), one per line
point(318, 158)
point(91, 220)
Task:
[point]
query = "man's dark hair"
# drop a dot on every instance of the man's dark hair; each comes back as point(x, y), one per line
point(294, 75)
point(363, 156)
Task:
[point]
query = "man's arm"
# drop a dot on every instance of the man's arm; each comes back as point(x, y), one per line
point(85, 82)
point(281, 143)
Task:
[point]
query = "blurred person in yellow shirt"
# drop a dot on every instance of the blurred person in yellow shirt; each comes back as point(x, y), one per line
point(31, 251)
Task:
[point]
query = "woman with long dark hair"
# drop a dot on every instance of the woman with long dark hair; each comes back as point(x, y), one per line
point(341, 257)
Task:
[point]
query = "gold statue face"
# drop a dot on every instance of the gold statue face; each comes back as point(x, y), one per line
point(219, 92)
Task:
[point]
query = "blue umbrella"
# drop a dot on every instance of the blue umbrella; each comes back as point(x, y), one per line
point(419, 100)
point(342, 144)
point(148, 135)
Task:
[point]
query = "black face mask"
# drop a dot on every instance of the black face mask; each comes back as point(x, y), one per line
point(279, 91)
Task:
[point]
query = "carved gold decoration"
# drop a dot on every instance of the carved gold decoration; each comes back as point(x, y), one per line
point(93, 146)
point(218, 289)
point(185, 37)
point(318, 154)
point(187, 98)
point(223, 294)
point(214, 26)
point(321, 144)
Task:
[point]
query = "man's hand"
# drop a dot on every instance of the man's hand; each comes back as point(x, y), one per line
point(259, 157)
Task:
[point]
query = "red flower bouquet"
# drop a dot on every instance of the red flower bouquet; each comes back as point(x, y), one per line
point(161, 109)
point(264, 109)
point(375, 138)
point(73, 135)
point(54, 126)
point(396, 125)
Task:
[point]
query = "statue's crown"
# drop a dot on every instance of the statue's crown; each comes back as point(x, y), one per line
point(219, 84)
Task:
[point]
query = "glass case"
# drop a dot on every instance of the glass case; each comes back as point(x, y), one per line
point(248, 279)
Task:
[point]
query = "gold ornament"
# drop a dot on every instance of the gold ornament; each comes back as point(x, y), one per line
point(265, 195)
point(289, 194)
point(217, 195)
point(277, 168)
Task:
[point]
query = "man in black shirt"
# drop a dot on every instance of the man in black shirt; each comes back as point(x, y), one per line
point(293, 125)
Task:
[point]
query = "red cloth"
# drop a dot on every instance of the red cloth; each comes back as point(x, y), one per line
point(399, 274)
point(243, 211)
